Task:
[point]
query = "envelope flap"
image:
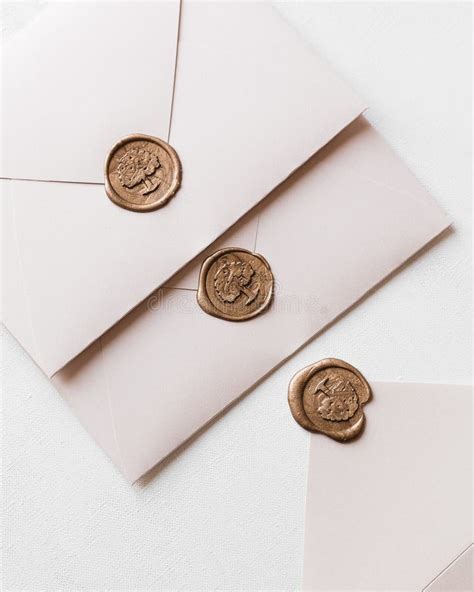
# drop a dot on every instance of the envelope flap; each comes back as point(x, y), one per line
point(252, 103)
point(80, 76)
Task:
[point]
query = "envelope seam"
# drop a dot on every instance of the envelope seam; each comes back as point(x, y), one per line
point(179, 288)
point(50, 181)
point(419, 195)
point(256, 234)
point(175, 70)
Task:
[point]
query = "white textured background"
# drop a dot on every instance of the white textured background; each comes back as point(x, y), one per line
point(228, 512)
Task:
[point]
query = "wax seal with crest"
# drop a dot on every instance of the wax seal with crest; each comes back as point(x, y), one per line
point(142, 173)
point(328, 397)
point(235, 284)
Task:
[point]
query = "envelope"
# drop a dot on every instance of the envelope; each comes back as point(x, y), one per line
point(393, 509)
point(333, 231)
point(231, 86)
point(104, 299)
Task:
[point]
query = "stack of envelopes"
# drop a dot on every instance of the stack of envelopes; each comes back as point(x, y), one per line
point(104, 299)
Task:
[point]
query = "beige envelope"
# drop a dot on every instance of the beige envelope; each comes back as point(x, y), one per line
point(251, 103)
point(393, 509)
point(337, 228)
point(242, 99)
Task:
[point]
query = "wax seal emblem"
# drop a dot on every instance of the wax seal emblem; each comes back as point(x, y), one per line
point(142, 173)
point(235, 284)
point(328, 397)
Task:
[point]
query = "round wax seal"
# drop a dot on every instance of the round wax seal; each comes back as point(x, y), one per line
point(142, 173)
point(328, 397)
point(235, 284)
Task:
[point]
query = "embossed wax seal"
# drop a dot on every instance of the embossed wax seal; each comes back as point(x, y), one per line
point(235, 284)
point(328, 397)
point(142, 173)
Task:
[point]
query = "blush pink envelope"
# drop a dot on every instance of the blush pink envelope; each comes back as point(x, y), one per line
point(230, 85)
point(333, 231)
point(248, 109)
point(393, 509)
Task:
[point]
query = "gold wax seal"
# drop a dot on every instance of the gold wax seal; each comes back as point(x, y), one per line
point(142, 173)
point(235, 284)
point(328, 397)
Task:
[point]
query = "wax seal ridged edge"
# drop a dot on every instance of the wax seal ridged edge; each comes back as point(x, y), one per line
point(177, 173)
point(295, 398)
point(203, 298)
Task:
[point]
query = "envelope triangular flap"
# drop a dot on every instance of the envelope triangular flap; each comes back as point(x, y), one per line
point(78, 78)
point(251, 104)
